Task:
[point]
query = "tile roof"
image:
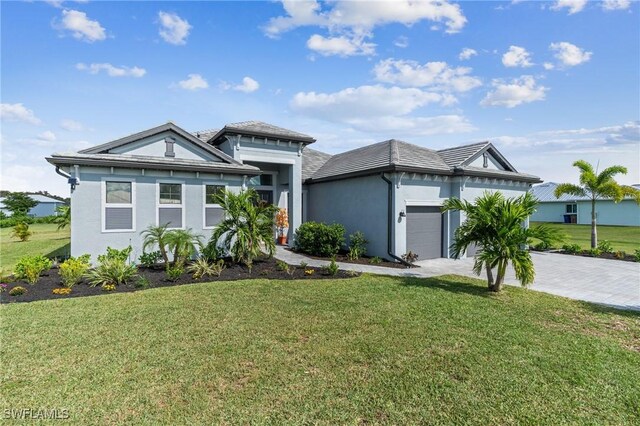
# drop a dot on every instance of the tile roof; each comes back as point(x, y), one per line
point(205, 135)
point(259, 128)
point(457, 155)
point(312, 160)
point(383, 155)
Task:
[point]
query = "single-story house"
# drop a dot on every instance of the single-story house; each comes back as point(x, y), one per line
point(392, 190)
point(47, 206)
point(576, 209)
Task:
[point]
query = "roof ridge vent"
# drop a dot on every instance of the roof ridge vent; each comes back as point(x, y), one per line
point(394, 153)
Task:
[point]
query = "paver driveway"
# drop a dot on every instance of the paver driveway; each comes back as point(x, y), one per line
point(610, 282)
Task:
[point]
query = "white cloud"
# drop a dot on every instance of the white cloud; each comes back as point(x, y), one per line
point(401, 42)
point(569, 55)
point(415, 126)
point(437, 75)
point(574, 6)
point(615, 4)
point(193, 82)
point(112, 71)
point(71, 125)
point(517, 56)
point(47, 136)
point(81, 26)
point(359, 15)
point(18, 112)
point(173, 29)
point(340, 46)
point(467, 53)
point(516, 92)
point(248, 85)
point(548, 66)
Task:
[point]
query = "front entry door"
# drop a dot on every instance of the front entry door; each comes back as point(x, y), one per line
point(266, 196)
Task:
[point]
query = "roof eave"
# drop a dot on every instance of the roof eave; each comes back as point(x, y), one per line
point(382, 169)
point(458, 171)
point(214, 140)
point(57, 160)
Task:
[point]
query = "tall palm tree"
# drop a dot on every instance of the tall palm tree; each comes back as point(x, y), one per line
point(497, 224)
point(247, 227)
point(597, 186)
point(63, 218)
point(183, 243)
point(156, 235)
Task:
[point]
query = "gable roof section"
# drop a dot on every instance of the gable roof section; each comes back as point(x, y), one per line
point(104, 148)
point(390, 155)
point(259, 129)
point(464, 155)
point(312, 160)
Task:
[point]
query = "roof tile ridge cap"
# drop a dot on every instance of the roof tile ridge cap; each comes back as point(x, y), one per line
point(464, 146)
point(394, 153)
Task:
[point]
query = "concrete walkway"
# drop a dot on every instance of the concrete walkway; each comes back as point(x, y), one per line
point(607, 282)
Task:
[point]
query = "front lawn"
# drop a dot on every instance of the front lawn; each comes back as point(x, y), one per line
point(366, 350)
point(46, 240)
point(625, 238)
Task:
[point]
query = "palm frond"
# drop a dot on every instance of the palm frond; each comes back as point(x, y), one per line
point(570, 189)
point(607, 174)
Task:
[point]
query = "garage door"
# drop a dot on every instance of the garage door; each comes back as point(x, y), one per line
point(424, 231)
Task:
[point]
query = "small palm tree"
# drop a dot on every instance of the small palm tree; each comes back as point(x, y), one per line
point(597, 186)
point(248, 225)
point(183, 243)
point(156, 236)
point(63, 218)
point(497, 224)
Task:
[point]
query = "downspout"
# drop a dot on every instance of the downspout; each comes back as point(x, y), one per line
point(61, 173)
point(390, 219)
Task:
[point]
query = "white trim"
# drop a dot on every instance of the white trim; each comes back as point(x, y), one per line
point(432, 203)
point(103, 203)
point(204, 201)
point(304, 200)
point(265, 159)
point(182, 205)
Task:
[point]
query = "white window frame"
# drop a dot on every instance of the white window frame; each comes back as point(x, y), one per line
point(182, 205)
point(104, 204)
point(574, 206)
point(204, 201)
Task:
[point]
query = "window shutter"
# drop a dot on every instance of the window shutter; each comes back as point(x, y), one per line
point(172, 216)
point(213, 216)
point(118, 218)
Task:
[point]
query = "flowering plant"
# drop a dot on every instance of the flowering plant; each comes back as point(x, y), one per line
point(282, 221)
point(3, 287)
point(61, 291)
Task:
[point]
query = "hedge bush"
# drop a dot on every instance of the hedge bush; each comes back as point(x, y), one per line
point(319, 239)
point(12, 221)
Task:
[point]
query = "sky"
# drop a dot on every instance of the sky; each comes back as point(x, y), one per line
point(547, 83)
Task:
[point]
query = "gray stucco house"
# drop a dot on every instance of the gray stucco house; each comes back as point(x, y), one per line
point(392, 190)
point(574, 209)
point(47, 206)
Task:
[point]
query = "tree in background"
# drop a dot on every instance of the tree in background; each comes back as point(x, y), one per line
point(19, 203)
point(63, 219)
point(598, 186)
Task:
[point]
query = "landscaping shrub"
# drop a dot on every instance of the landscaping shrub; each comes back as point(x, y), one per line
point(173, 273)
point(319, 239)
point(542, 246)
point(594, 252)
point(115, 254)
point(332, 267)
point(150, 259)
point(636, 255)
point(73, 269)
point(29, 268)
point(605, 246)
point(17, 291)
point(375, 260)
point(202, 267)
point(184, 243)
point(61, 291)
point(212, 252)
point(303, 265)
point(357, 245)
point(572, 248)
point(14, 220)
point(142, 282)
point(309, 271)
point(409, 257)
point(108, 287)
point(21, 231)
point(112, 269)
point(620, 254)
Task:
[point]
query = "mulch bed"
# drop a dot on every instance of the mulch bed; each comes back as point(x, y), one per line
point(611, 256)
point(365, 260)
point(262, 268)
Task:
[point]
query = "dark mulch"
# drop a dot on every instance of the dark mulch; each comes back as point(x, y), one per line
point(263, 268)
point(611, 256)
point(365, 260)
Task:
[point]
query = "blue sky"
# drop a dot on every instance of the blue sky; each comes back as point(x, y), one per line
point(547, 82)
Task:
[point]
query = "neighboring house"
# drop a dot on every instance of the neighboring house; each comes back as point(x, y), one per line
point(46, 206)
point(392, 190)
point(574, 209)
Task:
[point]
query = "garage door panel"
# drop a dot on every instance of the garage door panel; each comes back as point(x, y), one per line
point(424, 231)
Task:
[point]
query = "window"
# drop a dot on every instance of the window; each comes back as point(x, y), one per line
point(170, 193)
point(170, 206)
point(213, 213)
point(572, 208)
point(118, 210)
point(262, 180)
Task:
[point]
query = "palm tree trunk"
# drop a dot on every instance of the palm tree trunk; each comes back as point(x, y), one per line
point(489, 275)
point(594, 231)
point(502, 269)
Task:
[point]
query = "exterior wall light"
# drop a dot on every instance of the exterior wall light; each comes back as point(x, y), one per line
point(402, 213)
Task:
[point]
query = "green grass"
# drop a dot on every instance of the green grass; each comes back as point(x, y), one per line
point(367, 350)
point(46, 240)
point(626, 238)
